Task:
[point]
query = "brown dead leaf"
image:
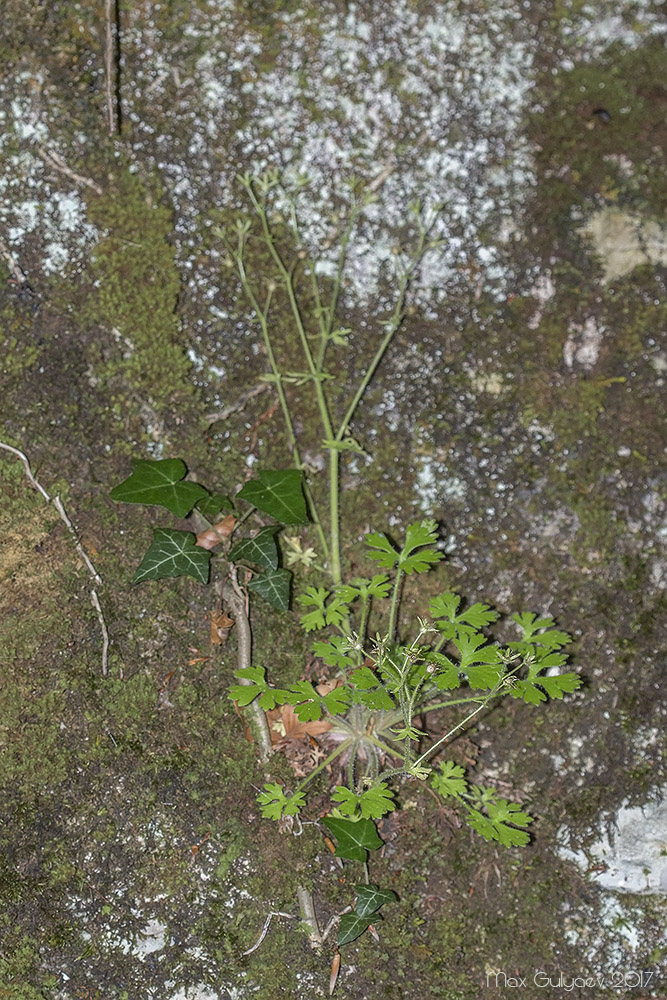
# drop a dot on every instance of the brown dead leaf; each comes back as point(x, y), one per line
point(220, 626)
point(217, 533)
point(286, 725)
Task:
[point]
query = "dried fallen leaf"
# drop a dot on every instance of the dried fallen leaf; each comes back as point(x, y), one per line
point(217, 533)
point(335, 967)
point(286, 725)
point(220, 626)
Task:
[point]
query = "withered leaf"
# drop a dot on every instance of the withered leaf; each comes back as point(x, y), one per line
point(217, 533)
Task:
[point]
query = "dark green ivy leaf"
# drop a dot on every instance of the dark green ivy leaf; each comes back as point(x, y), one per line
point(355, 837)
point(351, 927)
point(278, 493)
point(160, 484)
point(212, 505)
point(173, 553)
point(370, 898)
point(262, 549)
point(274, 587)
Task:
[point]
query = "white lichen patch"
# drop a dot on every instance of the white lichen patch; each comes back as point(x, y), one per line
point(583, 344)
point(624, 241)
point(36, 202)
point(632, 859)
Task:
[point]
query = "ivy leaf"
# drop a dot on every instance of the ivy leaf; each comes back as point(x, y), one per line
point(278, 493)
point(274, 587)
point(370, 898)
point(173, 553)
point(355, 837)
point(351, 927)
point(261, 549)
point(212, 505)
point(449, 780)
point(159, 484)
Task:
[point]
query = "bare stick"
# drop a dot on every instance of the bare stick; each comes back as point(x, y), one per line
point(308, 916)
point(16, 272)
point(108, 66)
point(244, 398)
point(267, 922)
point(57, 163)
point(28, 471)
point(105, 634)
point(57, 503)
point(235, 599)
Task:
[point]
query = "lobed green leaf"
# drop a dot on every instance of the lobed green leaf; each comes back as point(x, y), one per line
point(159, 483)
point(278, 493)
point(173, 553)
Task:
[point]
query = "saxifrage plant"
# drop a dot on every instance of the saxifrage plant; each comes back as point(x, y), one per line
point(367, 712)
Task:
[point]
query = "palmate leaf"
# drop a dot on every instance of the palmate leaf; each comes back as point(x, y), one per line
point(475, 617)
point(371, 803)
point(274, 802)
point(418, 535)
point(173, 553)
point(385, 553)
point(243, 694)
point(274, 587)
point(160, 484)
point(278, 493)
point(261, 549)
point(334, 652)
point(449, 780)
point(355, 837)
point(532, 688)
point(496, 830)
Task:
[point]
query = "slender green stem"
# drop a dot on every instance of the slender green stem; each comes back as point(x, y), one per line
point(393, 610)
point(323, 406)
point(392, 324)
point(363, 621)
point(262, 318)
point(428, 753)
point(325, 763)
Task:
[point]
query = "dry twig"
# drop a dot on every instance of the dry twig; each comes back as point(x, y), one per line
point(57, 163)
point(16, 272)
point(109, 66)
point(244, 398)
point(57, 503)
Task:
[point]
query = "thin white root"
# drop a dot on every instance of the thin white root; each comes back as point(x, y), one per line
point(105, 633)
point(267, 923)
point(97, 579)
